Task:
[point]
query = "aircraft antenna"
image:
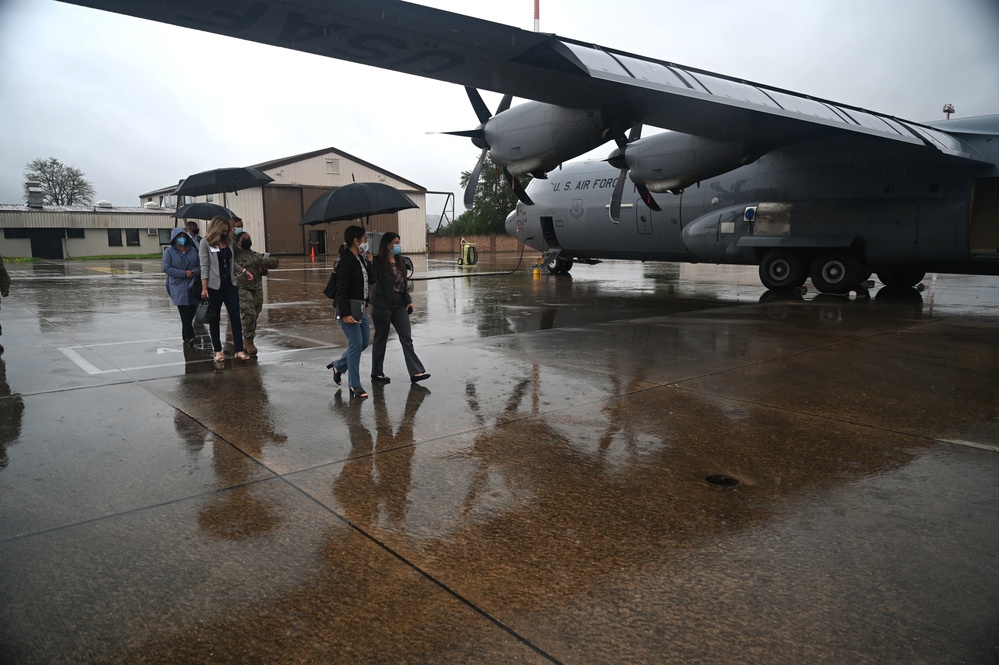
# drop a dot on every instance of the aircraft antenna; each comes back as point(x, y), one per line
point(537, 15)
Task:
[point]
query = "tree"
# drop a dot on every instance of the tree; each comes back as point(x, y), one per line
point(494, 199)
point(63, 185)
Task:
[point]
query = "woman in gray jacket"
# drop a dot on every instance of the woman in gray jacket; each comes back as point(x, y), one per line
point(219, 285)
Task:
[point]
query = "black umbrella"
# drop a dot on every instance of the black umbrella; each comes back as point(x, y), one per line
point(356, 200)
point(221, 181)
point(202, 211)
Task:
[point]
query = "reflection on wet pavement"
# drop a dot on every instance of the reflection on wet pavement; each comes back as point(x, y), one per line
point(545, 497)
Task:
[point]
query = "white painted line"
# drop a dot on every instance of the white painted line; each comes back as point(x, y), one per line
point(91, 369)
point(972, 444)
point(83, 364)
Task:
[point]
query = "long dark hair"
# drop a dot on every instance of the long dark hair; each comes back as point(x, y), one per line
point(350, 234)
point(384, 251)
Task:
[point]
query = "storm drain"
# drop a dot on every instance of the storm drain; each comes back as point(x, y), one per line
point(721, 480)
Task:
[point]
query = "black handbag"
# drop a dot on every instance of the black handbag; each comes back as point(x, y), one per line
point(205, 312)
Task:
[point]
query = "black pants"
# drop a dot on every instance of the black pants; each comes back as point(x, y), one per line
point(229, 295)
point(187, 321)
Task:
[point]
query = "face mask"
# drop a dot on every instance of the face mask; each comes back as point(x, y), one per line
point(363, 248)
point(181, 241)
point(397, 249)
point(195, 231)
point(238, 230)
point(245, 244)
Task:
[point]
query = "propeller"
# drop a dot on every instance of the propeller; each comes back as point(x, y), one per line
point(617, 158)
point(478, 136)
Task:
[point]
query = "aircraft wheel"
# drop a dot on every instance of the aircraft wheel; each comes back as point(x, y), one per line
point(904, 277)
point(559, 265)
point(837, 272)
point(781, 270)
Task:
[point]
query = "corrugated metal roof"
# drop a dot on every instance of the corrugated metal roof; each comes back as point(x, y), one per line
point(20, 216)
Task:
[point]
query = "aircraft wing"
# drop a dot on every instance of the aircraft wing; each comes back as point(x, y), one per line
point(423, 41)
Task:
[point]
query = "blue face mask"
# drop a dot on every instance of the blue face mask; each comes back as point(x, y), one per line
point(397, 249)
point(238, 230)
point(182, 241)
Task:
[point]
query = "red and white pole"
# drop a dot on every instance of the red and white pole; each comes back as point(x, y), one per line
point(537, 15)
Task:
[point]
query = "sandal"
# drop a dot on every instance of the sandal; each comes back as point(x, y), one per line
point(242, 356)
point(220, 357)
point(336, 373)
point(358, 392)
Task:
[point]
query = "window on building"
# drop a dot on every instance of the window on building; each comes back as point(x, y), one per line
point(75, 233)
point(210, 198)
point(169, 202)
point(164, 236)
point(132, 237)
point(332, 166)
point(114, 237)
point(15, 234)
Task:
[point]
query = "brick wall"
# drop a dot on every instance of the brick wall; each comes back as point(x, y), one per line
point(489, 244)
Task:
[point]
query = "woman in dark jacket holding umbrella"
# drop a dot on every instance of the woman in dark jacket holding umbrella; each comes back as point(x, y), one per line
point(351, 297)
point(392, 304)
point(183, 270)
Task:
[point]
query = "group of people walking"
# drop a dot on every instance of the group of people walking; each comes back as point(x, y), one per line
point(218, 268)
point(223, 269)
point(382, 283)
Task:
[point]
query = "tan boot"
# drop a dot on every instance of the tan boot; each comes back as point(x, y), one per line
point(248, 346)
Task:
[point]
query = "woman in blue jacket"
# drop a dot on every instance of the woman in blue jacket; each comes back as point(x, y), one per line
point(183, 271)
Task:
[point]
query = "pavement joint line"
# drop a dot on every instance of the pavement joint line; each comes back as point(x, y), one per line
point(971, 444)
point(481, 611)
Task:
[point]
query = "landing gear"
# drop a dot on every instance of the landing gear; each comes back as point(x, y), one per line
point(901, 277)
point(558, 265)
point(838, 272)
point(782, 270)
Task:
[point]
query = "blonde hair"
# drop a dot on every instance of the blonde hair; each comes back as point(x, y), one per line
point(215, 234)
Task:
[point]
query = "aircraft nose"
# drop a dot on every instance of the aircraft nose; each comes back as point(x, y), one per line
point(511, 225)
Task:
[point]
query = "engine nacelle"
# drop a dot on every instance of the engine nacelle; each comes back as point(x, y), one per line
point(670, 161)
point(535, 137)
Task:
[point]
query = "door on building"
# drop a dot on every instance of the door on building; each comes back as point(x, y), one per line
point(46, 243)
point(317, 241)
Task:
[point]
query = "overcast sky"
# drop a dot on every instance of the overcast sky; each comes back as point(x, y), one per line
point(138, 105)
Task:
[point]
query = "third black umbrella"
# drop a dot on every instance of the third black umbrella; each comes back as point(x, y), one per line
point(356, 200)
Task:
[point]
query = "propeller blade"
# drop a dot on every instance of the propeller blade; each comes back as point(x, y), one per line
point(647, 197)
point(468, 133)
point(473, 181)
point(504, 104)
point(615, 204)
point(518, 189)
point(481, 110)
point(635, 133)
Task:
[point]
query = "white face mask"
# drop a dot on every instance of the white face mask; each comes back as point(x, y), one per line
point(362, 248)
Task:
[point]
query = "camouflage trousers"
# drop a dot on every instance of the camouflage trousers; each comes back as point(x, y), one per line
point(251, 301)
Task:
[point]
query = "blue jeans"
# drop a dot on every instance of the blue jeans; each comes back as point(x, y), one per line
point(357, 340)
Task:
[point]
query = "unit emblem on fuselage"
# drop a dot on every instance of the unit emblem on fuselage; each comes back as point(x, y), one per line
point(577, 209)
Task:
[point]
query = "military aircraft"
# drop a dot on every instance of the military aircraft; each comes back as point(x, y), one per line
point(748, 173)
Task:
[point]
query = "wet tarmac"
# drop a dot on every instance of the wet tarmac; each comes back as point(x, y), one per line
point(631, 464)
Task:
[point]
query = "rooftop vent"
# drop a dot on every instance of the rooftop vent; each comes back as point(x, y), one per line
point(151, 205)
point(36, 195)
point(103, 204)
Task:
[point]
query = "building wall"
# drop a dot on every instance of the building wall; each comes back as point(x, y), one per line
point(57, 222)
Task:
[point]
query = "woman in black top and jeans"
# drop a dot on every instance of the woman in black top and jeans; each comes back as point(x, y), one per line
point(352, 289)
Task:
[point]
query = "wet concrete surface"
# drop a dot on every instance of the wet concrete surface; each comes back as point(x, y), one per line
point(542, 498)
